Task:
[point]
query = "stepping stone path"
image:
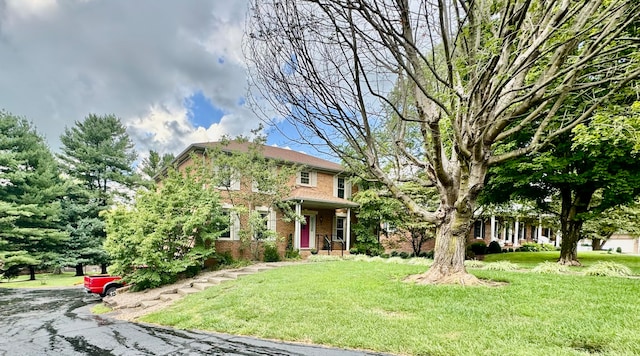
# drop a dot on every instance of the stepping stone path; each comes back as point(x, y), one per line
point(130, 305)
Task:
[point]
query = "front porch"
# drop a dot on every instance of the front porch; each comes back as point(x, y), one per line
point(326, 225)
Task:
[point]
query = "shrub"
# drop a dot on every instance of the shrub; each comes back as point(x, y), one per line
point(473, 264)
point(354, 251)
point(550, 268)
point(608, 269)
point(418, 261)
point(494, 247)
point(529, 247)
point(510, 249)
point(384, 255)
point(478, 248)
point(270, 253)
point(426, 254)
point(501, 266)
point(224, 258)
point(547, 247)
point(393, 253)
point(404, 255)
point(292, 254)
point(619, 249)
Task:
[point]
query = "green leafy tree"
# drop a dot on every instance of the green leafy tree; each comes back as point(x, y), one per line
point(268, 181)
point(478, 74)
point(30, 191)
point(169, 231)
point(98, 155)
point(588, 171)
point(154, 163)
point(620, 219)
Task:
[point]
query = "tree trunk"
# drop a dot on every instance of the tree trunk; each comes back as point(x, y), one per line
point(596, 244)
point(574, 204)
point(79, 270)
point(103, 268)
point(449, 253)
point(32, 273)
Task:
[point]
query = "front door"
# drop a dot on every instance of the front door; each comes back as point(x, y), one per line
point(304, 232)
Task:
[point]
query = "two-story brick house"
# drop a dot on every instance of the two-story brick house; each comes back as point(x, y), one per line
point(319, 192)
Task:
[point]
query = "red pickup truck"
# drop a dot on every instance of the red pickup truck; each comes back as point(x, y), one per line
point(102, 284)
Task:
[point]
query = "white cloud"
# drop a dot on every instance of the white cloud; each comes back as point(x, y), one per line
point(136, 59)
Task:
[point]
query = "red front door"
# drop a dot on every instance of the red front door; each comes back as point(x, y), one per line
point(304, 233)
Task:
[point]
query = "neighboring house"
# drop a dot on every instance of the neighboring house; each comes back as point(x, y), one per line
point(512, 232)
point(320, 193)
point(626, 242)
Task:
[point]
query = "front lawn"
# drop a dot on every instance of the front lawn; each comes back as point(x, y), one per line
point(43, 280)
point(365, 305)
point(531, 259)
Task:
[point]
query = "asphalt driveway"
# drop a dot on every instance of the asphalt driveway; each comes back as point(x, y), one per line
point(58, 322)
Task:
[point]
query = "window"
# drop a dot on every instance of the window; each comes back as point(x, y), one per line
point(478, 230)
point(225, 226)
point(339, 231)
point(227, 179)
point(266, 223)
point(307, 178)
point(340, 187)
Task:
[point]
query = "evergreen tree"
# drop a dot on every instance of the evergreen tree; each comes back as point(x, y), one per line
point(30, 191)
point(153, 164)
point(98, 154)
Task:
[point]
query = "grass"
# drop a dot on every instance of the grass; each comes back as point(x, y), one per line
point(355, 304)
point(531, 259)
point(43, 280)
point(100, 309)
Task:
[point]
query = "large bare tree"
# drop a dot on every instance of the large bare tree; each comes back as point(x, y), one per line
point(436, 87)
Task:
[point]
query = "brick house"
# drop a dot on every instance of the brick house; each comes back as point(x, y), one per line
point(320, 193)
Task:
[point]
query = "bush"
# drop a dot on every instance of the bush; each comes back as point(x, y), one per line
point(354, 251)
point(224, 258)
point(529, 247)
point(474, 264)
point(292, 254)
point(393, 253)
point(547, 247)
point(426, 254)
point(404, 255)
point(270, 253)
point(619, 249)
point(478, 248)
point(608, 269)
point(550, 268)
point(501, 266)
point(494, 247)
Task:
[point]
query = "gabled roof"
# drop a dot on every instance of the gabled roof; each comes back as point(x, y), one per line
point(271, 152)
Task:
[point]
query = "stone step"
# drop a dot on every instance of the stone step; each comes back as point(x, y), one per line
point(188, 290)
point(235, 275)
point(170, 297)
point(256, 269)
point(201, 286)
point(149, 303)
point(218, 280)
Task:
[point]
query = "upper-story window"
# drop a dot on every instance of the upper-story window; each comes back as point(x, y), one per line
point(307, 178)
point(227, 179)
point(341, 187)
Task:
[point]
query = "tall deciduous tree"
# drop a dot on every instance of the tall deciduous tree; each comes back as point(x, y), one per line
point(30, 192)
point(472, 74)
point(99, 155)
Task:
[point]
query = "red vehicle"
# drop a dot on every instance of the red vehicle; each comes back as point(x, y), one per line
point(102, 284)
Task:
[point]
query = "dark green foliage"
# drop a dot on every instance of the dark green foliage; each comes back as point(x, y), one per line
point(494, 247)
point(169, 231)
point(529, 247)
point(31, 234)
point(292, 254)
point(354, 251)
point(478, 247)
point(393, 253)
point(427, 254)
point(404, 255)
point(270, 253)
point(370, 249)
point(224, 258)
point(619, 249)
point(99, 155)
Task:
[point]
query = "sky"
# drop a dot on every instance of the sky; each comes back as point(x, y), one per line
point(172, 71)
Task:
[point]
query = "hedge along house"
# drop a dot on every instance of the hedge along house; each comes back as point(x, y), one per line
point(319, 192)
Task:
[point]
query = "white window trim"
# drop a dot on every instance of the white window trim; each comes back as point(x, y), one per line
point(313, 178)
point(272, 217)
point(235, 182)
point(347, 187)
point(234, 224)
point(334, 234)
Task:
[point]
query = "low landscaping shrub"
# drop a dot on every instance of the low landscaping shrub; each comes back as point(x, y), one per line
point(404, 255)
point(550, 268)
point(473, 264)
point(494, 247)
point(478, 248)
point(501, 266)
point(529, 247)
point(270, 253)
point(619, 249)
point(608, 269)
point(292, 254)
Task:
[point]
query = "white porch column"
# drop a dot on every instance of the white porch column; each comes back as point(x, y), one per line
point(539, 234)
point(348, 232)
point(516, 236)
point(296, 231)
point(505, 238)
point(493, 228)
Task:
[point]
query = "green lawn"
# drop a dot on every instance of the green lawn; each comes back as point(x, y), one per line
point(365, 305)
point(43, 280)
point(531, 259)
